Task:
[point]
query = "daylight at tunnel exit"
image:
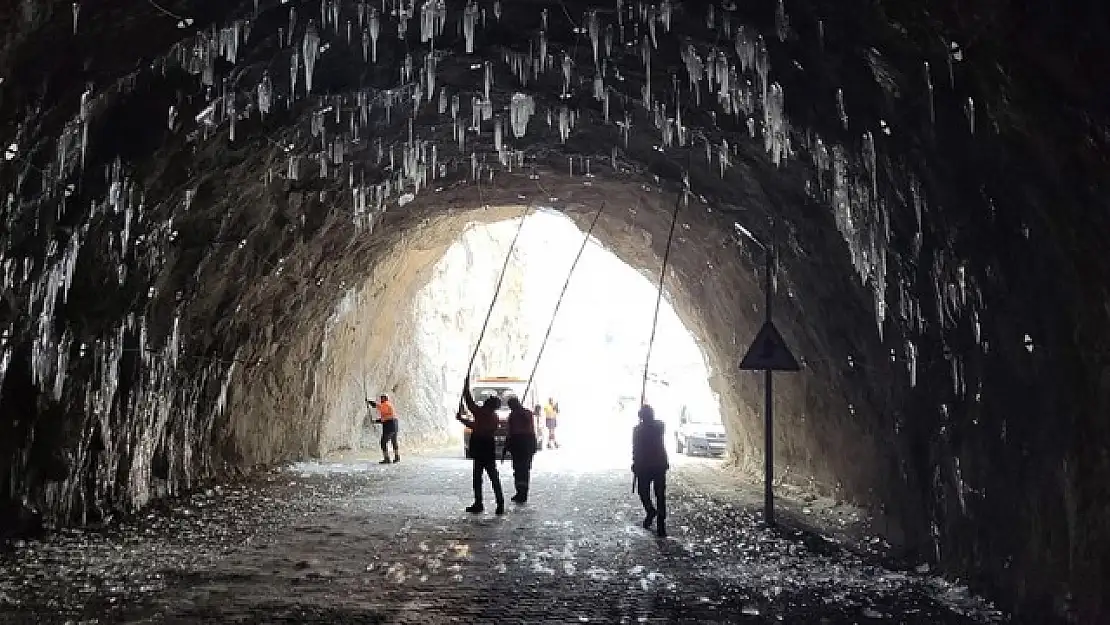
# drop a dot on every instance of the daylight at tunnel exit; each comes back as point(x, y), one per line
point(554, 311)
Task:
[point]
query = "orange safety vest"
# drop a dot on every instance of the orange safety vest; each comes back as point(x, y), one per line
point(385, 408)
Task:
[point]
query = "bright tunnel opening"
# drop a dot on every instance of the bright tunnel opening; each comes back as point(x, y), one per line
point(593, 362)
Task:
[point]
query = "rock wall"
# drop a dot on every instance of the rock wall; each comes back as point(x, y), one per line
point(186, 197)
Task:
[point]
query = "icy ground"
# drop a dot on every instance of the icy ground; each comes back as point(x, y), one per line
point(351, 541)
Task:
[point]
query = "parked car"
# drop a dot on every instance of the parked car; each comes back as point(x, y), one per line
point(699, 438)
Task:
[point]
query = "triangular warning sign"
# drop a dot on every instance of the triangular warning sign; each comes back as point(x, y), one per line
point(769, 352)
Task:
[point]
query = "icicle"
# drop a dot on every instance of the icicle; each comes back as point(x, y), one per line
point(782, 23)
point(86, 111)
point(292, 23)
point(232, 115)
point(76, 12)
point(521, 109)
point(929, 87)
point(777, 134)
point(406, 69)
point(710, 18)
point(498, 142)
point(172, 121)
point(542, 65)
point(488, 81)
point(955, 54)
point(564, 123)
point(375, 30)
point(470, 21)
point(311, 50)
point(402, 22)
point(609, 41)
point(265, 94)
point(473, 166)
point(566, 75)
point(969, 109)
point(294, 70)
point(840, 110)
point(593, 25)
point(651, 28)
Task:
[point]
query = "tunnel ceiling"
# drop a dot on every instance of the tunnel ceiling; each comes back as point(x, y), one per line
point(189, 188)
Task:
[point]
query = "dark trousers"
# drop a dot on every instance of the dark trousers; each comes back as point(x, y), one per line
point(485, 461)
point(522, 452)
point(389, 435)
point(657, 481)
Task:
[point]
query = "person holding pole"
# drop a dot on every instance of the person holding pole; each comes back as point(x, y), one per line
point(483, 446)
point(649, 468)
point(387, 416)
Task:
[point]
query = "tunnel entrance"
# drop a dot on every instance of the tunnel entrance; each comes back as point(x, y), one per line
point(592, 364)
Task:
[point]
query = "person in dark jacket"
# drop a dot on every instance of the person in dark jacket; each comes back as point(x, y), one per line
point(483, 446)
point(649, 466)
point(521, 445)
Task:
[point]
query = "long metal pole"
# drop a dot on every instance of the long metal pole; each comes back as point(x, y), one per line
point(558, 302)
point(659, 295)
point(768, 421)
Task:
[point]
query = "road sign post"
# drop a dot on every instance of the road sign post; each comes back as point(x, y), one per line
point(768, 353)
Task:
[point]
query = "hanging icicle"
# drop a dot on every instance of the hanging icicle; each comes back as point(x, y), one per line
point(375, 32)
point(593, 25)
point(430, 75)
point(567, 68)
point(487, 83)
point(265, 94)
point(292, 24)
point(294, 70)
point(521, 109)
point(310, 48)
point(470, 22)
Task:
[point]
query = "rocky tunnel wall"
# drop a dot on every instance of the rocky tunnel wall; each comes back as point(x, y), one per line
point(938, 196)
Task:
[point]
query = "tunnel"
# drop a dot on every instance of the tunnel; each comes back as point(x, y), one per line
point(218, 217)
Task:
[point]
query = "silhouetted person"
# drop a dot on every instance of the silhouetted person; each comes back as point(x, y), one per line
point(483, 446)
point(521, 445)
point(650, 465)
point(388, 418)
point(551, 417)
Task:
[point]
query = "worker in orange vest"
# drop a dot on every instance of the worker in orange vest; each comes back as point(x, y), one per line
point(388, 418)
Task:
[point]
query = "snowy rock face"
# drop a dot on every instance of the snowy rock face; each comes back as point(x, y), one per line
point(205, 205)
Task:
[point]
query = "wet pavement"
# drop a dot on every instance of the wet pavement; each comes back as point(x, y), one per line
point(355, 542)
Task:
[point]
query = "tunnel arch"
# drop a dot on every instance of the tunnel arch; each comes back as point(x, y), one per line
point(943, 223)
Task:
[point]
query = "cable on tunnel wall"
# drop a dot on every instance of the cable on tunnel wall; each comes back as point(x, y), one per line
point(659, 295)
point(558, 302)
